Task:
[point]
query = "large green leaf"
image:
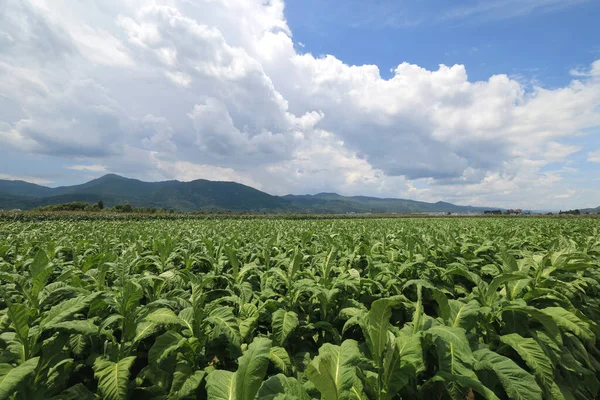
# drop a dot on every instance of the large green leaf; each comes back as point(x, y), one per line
point(185, 381)
point(40, 270)
point(284, 323)
point(533, 355)
point(113, 377)
point(165, 316)
point(280, 359)
point(546, 320)
point(5, 369)
point(515, 288)
point(333, 371)
point(280, 387)
point(463, 315)
point(191, 384)
point(453, 350)
point(86, 327)
point(19, 318)
point(78, 343)
point(249, 320)
point(252, 369)
point(492, 288)
point(67, 309)
point(377, 326)
point(518, 383)
point(143, 330)
point(467, 382)
point(165, 345)
point(186, 316)
point(509, 264)
point(225, 323)
point(570, 322)
point(220, 385)
point(403, 358)
point(233, 260)
point(10, 381)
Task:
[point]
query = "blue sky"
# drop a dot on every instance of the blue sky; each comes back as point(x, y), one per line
point(493, 103)
point(522, 38)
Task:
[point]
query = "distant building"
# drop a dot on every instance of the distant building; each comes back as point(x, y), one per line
point(516, 211)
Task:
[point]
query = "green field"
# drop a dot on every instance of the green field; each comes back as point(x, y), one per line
point(412, 308)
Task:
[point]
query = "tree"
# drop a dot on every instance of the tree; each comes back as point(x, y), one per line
point(100, 204)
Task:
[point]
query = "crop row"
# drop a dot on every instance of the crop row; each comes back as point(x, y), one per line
point(279, 309)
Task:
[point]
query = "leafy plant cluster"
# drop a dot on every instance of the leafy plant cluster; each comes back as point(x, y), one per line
point(278, 309)
point(79, 206)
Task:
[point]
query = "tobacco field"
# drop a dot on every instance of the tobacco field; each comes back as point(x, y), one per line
point(379, 309)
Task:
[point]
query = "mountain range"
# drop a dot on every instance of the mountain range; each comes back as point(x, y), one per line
point(205, 195)
point(591, 210)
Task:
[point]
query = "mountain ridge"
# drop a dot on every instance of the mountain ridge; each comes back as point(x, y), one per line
point(207, 195)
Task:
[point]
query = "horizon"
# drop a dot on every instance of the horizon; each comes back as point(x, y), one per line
point(471, 103)
point(491, 207)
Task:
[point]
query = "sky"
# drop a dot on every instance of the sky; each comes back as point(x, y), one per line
point(492, 103)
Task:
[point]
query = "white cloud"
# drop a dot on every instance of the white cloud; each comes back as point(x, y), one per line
point(89, 168)
point(26, 178)
point(567, 195)
point(80, 120)
point(556, 152)
point(594, 156)
point(502, 9)
point(185, 90)
point(593, 71)
point(187, 171)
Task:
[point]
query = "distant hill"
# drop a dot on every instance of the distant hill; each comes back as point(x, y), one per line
point(207, 195)
point(333, 202)
point(591, 210)
point(9, 201)
point(22, 188)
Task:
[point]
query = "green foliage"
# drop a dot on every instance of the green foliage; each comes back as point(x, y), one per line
point(517, 383)
point(11, 378)
point(369, 309)
point(72, 206)
point(252, 369)
point(333, 371)
point(280, 387)
point(284, 323)
point(113, 377)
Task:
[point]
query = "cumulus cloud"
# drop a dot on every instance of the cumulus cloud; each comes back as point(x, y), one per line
point(556, 152)
point(593, 71)
point(186, 90)
point(89, 168)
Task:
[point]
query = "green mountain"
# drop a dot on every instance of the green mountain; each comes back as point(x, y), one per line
point(9, 201)
point(206, 195)
point(114, 189)
point(591, 210)
point(22, 188)
point(328, 202)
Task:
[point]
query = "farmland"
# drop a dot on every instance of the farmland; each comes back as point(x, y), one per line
point(413, 308)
